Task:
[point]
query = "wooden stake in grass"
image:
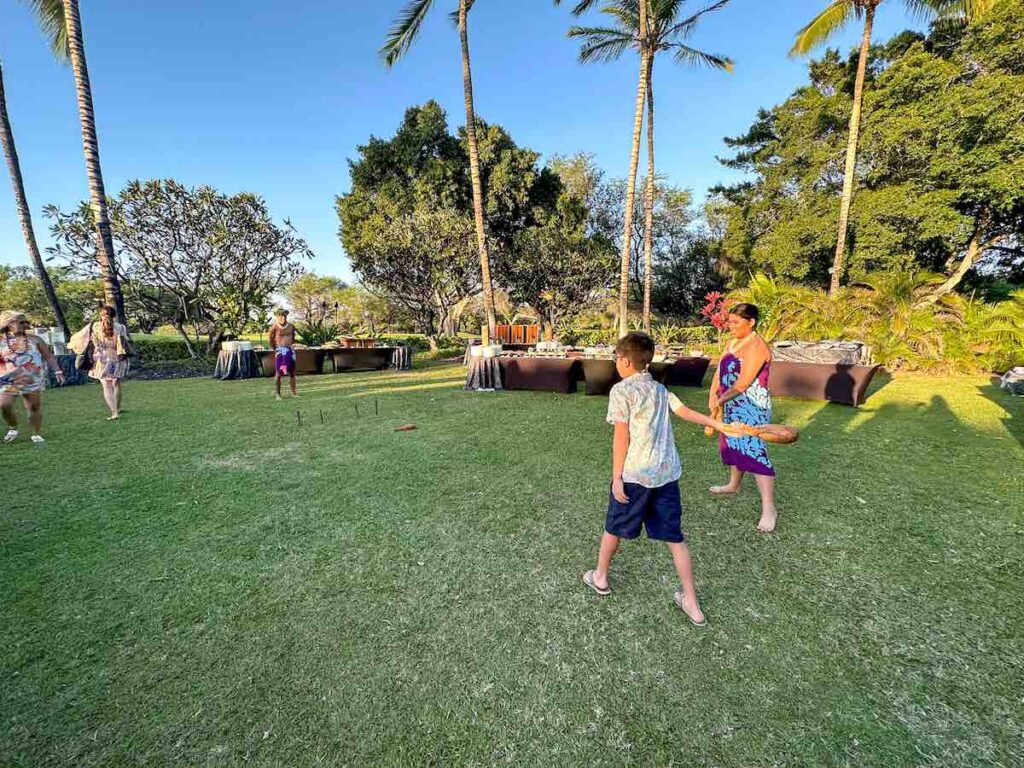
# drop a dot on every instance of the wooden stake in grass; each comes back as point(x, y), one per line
point(298, 417)
point(357, 409)
point(376, 411)
point(322, 416)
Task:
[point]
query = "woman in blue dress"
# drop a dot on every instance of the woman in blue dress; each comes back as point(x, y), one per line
point(740, 388)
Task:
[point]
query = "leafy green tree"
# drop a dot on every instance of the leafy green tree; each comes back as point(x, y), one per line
point(940, 162)
point(424, 261)
point(215, 261)
point(557, 267)
point(824, 26)
point(420, 171)
point(667, 29)
point(400, 39)
point(21, 288)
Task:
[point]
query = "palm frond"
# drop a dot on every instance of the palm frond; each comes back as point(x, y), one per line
point(968, 10)
point(823, 26)
point(684, 54)
point(404, 31)
point(50, 15)
point(581, 7)
point(602, 43)
point(690, 21)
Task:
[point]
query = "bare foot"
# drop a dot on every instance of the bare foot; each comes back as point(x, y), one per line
point(724, 490)
point(113, 417)
point(768, 520)
point(691, 608)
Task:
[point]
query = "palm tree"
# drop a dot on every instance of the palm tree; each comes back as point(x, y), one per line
point(24, 213)
point(824, 26)
point(400, 39)
point(634, 157)
point(666, 31)
point(62, 24)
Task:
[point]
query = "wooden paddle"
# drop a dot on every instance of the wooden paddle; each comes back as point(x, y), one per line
point(779, 434)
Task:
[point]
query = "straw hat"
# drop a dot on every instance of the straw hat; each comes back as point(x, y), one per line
point(10, 316)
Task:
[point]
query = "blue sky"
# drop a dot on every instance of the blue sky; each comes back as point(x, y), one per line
point(272, 97)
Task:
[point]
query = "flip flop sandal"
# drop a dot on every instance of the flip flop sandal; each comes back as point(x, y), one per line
point(677, 598)
point(588, 579)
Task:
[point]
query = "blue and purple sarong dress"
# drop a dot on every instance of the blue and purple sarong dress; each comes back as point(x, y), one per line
point(753, 407)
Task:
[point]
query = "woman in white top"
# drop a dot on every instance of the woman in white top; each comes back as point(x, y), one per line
point(111, 349)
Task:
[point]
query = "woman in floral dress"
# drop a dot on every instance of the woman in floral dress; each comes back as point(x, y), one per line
point(110, 356)
point(24, 359)
point(740, 388)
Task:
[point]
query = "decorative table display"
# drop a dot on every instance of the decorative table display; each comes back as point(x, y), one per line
point(237, 360)
point(484, 370)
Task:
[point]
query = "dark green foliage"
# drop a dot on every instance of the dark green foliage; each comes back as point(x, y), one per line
point(941, 163)
point(318, 331)
point(160, 349)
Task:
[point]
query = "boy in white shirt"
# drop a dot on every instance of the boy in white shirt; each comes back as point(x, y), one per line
point(646, 469)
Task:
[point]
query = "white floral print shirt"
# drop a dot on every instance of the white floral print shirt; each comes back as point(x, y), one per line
point(652, 459)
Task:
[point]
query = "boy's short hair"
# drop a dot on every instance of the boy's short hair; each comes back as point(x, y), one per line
point(636, 347)
point(281, 312)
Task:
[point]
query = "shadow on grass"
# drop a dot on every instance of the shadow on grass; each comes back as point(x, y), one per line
point(1013, 410)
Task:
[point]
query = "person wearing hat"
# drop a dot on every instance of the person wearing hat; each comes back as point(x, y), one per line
point(282, 340)
point(24, 359)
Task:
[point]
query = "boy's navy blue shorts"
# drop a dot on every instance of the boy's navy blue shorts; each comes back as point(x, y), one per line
point(659, 509)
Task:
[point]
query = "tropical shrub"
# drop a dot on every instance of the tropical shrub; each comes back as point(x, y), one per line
point(318, 332)
point(899, 317)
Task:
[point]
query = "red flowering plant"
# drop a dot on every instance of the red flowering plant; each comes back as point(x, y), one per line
point(714, 310)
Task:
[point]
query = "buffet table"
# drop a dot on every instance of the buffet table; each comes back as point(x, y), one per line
point(547, 374)
point(484, 374)
point(563, 374)
point(237, 364)
point(847, 384)
point(256, 363)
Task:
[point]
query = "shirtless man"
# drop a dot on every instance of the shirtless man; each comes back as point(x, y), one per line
point(282, 340)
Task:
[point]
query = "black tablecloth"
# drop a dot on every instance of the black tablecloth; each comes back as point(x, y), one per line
point(237, 364)
point(72, 375)
point(484, 373)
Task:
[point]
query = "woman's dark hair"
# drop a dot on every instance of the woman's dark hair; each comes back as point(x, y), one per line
point(746, 311)
point(109, 311)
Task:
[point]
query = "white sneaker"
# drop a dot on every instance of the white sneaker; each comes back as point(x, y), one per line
point(11, 436)
point(38, 439)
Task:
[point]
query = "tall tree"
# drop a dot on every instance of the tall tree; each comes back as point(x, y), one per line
point(634, 156)
point(824, 26)
point(400, 39)
point(940, 163)
point(24, 213)
point(62, 24)
point(666, 31)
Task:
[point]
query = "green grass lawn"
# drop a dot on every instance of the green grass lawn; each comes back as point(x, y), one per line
point(205, 584)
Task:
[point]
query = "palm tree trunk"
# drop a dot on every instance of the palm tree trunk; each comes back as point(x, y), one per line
point(24, 212)
point(649, 199)
point(104, 241)
point(474, 172)
point(634, 161)
point(853, 137)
